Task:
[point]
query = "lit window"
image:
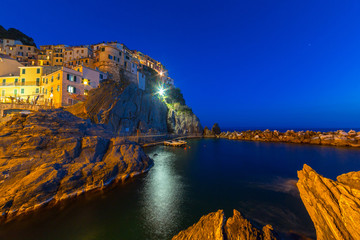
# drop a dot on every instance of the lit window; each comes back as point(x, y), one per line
point(71, 89)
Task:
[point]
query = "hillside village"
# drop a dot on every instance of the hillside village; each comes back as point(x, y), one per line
point(62, 75)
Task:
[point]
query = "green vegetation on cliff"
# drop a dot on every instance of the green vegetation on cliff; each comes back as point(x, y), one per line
point(15, 34)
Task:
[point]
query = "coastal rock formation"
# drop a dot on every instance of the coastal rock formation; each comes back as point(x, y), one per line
point(125, 108)
point(334, 206)
point(51, 155)
point(214, 132)
point(183, 122)
point(337, 138)
point(215, 226)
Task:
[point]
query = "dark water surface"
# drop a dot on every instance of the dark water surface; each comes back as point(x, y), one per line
point(253, 177)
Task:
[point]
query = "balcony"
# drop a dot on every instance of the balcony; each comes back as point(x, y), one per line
point(32, 83)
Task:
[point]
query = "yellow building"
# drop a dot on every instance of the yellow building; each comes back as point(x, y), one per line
point(22, 87)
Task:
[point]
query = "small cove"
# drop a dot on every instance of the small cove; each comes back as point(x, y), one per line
point(256, 178)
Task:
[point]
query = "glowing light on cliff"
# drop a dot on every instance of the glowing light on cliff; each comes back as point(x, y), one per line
point(161, 91)
point(161, 74)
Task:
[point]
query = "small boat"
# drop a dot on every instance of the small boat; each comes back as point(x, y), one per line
point(175, 143)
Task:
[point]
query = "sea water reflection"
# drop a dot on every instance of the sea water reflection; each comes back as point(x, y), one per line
point(258, 179)
point(162, 198)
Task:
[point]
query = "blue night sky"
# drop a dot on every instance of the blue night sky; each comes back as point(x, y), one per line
point(275, 64)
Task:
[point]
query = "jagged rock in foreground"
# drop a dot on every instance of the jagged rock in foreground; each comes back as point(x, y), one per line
point(51, 155)
point(334, 206)
point(214, 226)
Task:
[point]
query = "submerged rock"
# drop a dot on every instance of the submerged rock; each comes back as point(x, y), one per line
point(334, 206)
point(215, 226)
point(52, 155)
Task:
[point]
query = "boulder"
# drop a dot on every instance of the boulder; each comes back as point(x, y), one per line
point(214, 226)
point(216, 129)
point(334, 206)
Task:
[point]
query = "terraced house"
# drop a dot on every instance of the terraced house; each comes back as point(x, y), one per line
point(46, 85)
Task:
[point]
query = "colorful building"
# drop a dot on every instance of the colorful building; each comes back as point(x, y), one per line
point(22, 85)
point(66, 86)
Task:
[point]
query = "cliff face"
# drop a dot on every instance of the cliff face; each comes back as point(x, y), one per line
point(183, 122)
point(52, 155)
point(126, 108)
point(334, 206)
point(215, 226)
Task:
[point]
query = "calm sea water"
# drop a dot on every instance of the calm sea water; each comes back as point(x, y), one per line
point(253, 177)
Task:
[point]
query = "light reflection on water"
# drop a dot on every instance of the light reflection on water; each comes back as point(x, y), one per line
point(258, 179)
point(162, 198)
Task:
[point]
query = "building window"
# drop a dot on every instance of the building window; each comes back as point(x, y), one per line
point(37, 90)
point(110, 57)
point(46, 81)
point(23, 81)
point(37, 81)
point(127, 57)
point(86, 61)
point(114, 58)
point(57, 60)
point(74, 78)
point(38, 70)
point(21, 48)
point(52, 78)
point(58, 77)
point(45, 91)
point(103, 49)
point(71, 89)
point(52, 90)
point(23, 71)
point(22, 91)
point(58, 88)
point(3, 93)
point(101, 76)
point(60, 60)
point(124, 64)
point(15, 92)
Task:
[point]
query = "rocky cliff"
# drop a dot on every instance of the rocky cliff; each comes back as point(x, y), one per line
point(215, 226)
point(52, 155)
point(334, 206)
point(126, 108)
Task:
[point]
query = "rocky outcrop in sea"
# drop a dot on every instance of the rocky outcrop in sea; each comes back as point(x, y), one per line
point(334, 206)
point(52, 155)
point(337, 138)
point(215, 226)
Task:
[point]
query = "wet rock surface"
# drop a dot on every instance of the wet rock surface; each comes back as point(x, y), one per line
point(215, 226)
point(52, 155)
point(334, 206)
point(337, 138)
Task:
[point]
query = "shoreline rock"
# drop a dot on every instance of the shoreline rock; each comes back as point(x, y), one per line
point(215, 226)
point(337, 138)
point(334, 206)
point(52, 155)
